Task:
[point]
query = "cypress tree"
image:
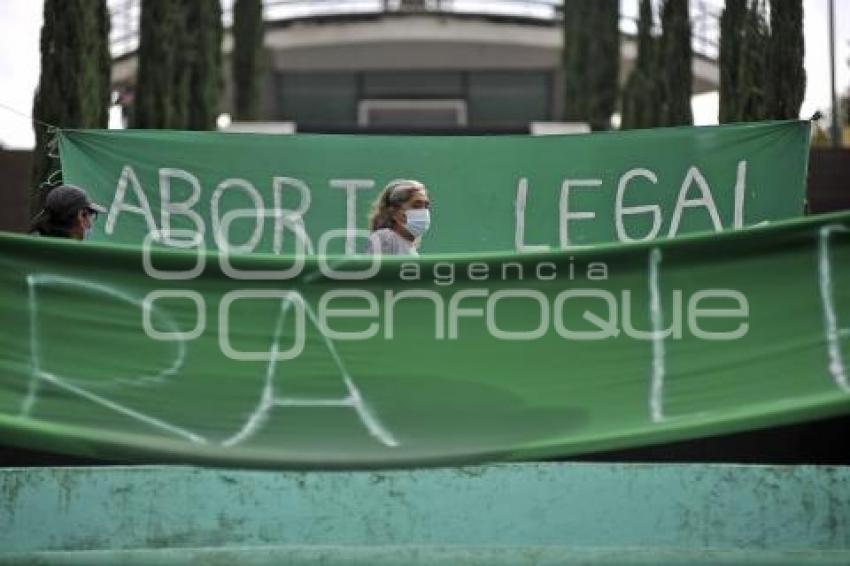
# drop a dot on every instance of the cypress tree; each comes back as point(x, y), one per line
point(604, 72)
point(74, 86)
point(744, 62)
point(157, 102)
point(675, 56)
point(731, 30)
point(177, 84)
point(204, 32)
point(247, 61)
point(786, 73)
point(103, 58)
point(592, 60)
point(752, 65)
point(182, 64)
point(640, 100)
point(575, 59)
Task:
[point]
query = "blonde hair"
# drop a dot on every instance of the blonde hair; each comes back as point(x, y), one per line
point(392, 198)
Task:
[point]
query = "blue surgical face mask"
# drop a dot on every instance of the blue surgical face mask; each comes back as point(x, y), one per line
point(418, 221)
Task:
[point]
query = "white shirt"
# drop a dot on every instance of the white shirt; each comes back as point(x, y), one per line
point(389, 242)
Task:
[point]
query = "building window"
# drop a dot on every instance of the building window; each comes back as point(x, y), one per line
point(414, 114)
point(508, 99)
point(414, 100)
point(318, 100)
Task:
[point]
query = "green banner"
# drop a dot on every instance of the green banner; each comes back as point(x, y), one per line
point(517, 193)
point(330, 362)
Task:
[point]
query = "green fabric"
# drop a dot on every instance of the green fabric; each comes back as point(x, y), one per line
point(476, 183)
point(79, 374)
point(110, 348)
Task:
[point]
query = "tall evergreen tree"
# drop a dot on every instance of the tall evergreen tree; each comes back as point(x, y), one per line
point(575, 59)
point(592, 61)
point(640, 99)
point(752, 65)
point(182, 63)
point(731, 31)
point(675, 56)
point(604, 72)
point(248, 58)
point(157, 101)
point(103, 57)
point(204, 32)
point(177, 84)
point(786, 74)
point(73, 90)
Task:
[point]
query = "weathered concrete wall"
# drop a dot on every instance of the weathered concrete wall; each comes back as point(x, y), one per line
point(829, 180)
point(15, 172)
point(507, 514)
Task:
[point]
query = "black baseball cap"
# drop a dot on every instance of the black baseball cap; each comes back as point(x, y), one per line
point(68, 199)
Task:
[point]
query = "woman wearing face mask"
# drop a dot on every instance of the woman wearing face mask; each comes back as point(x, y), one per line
point(400, 217)
point(68, 213)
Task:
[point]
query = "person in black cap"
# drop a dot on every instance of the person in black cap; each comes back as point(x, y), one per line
point(68, 213)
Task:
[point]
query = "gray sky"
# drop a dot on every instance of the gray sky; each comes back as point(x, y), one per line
point(20, 24)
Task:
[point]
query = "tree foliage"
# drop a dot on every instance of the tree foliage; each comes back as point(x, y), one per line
point(786, 50)
point(248, 55)
point(752, 64)
point(157, 101)
point(674, 64)
point(575, 60)
point(591, 61)
point(179, 55)
point(761, 65)
point(731, 36)
point(640, 107)
point(204, 30)
point(74, 86)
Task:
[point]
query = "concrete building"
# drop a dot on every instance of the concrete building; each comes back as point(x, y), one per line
point(415, 65)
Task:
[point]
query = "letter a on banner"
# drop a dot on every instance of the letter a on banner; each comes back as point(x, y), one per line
point(272, 398)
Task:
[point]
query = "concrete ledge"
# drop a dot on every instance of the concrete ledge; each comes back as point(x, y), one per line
point(508, 514)
point(416, 556)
